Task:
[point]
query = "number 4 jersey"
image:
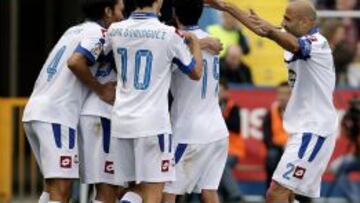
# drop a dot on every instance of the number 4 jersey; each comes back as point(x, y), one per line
point(144, 50)
point(58, 95)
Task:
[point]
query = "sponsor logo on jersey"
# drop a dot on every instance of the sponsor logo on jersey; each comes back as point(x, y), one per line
point(109, 167)
point(165, 165)
point(299, 172)
point(65, 161)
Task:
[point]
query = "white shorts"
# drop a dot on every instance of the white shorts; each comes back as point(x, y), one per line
point(96, 161)
point(198, 167)
point(303, 163)
point(147, 159)
point(55, 148)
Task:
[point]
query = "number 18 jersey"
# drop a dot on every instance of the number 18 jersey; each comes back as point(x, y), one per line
point(144, 50)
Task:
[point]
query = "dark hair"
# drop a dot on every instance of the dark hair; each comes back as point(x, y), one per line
point(95, 9)
point(130, 6)
point(188, 11)
point(223, 82)
point(144, 3)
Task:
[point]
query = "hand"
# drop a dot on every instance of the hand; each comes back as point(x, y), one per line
point(213, 45)
point(261, 26)
point(217, 4)
point(190, 39)
point(107, 92)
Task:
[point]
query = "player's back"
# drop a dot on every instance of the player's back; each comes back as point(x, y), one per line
point(144, 51)
point(195, 112)
point(58, 95)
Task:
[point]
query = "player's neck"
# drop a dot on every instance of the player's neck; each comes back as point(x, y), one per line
point(188, 27)
point(146, 10)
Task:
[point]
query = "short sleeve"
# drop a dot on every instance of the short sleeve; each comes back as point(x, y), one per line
point(92, 44)
point(180, 54)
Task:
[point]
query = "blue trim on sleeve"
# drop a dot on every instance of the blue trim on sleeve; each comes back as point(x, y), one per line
point(185, 68)
point(305, 49)
point(318, 145)
point(71, 138)
point(180, 149)
point(57, 134)
point(81, 50)
point(306, 138)
point(105, 124)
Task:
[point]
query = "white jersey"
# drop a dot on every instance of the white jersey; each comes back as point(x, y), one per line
point(93, 105)
point(312, 78)
point(144, 50)
point(195, 113)
point(58, 94)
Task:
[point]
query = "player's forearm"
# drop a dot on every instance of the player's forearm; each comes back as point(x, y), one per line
point(285, 40)
point(78, 65)
point(195, 50)
point(239, 14)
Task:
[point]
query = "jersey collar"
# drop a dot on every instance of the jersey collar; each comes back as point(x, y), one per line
point(143, 15)
point(313, 30)
point(191, 28)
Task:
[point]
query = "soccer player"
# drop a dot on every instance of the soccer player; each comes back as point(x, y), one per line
point(310, 117)
point(144, 51)
point(96, 161)
point(52, 113)
point(199, 129)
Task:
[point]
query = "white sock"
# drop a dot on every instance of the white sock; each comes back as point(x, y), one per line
point(131, 197)
point(44, 198)
point(53, 202)
point(96, 201)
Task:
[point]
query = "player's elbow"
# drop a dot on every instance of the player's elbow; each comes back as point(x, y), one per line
point(75, 62)
point(294, 47)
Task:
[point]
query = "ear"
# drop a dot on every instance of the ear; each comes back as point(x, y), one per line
point(108, 12)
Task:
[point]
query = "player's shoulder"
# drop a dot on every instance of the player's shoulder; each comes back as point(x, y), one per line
point(93, 29)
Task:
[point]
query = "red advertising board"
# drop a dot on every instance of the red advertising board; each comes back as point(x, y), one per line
point(254, 104)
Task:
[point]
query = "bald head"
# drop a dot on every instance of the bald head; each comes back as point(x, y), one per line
point(299, 18)
point(303, 8)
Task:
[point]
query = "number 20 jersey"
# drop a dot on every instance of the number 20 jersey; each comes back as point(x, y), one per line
point(144, 50)
point(58, 95)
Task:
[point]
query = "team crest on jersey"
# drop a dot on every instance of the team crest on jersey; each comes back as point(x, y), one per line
point(109, 167)
point(292, 78)
point(299, 172)
point(165, 165)
point(65, 161)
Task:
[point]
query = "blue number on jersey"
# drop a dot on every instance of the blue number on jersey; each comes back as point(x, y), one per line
point(123, 61)
point(52, 68)
point(216, 76)
point(140, 85)
point(147, 75)
point(204, 79)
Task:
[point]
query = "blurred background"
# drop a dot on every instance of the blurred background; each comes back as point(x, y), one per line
point(253, 93)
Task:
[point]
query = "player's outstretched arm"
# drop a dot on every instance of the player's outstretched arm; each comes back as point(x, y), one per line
point(257, 25)
point(195, 50)
point(283, 39)
point(78, 64)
